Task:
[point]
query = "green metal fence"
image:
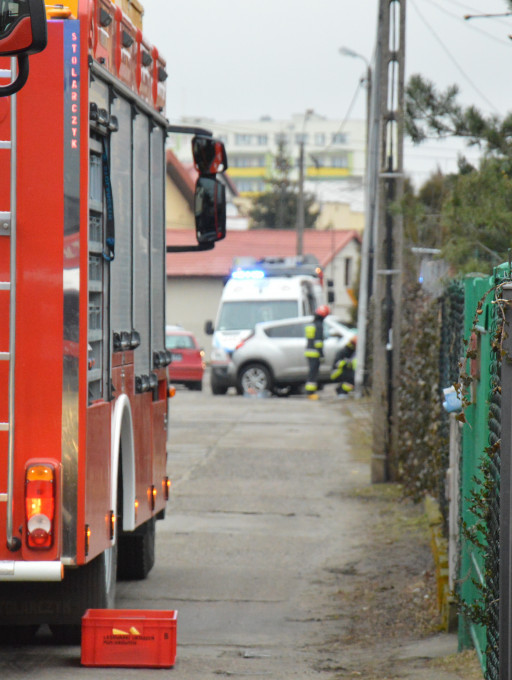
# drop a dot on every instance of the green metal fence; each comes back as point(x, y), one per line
point(481, 471)
point(474, 441)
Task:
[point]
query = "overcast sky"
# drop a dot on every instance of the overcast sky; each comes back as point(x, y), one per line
point(242, 59)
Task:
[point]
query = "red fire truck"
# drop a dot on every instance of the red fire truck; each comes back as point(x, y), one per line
point(83, 366)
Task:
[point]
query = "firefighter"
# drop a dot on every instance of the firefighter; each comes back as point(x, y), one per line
point(315, 349)
point(344, 367)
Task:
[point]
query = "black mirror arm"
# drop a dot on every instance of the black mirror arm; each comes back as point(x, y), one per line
point(16, 85)
point(190, 249)
point(189, 130)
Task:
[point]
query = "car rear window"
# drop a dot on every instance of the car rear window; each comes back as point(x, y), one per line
point(179, 342)
point(291, 330)
point(247, 313)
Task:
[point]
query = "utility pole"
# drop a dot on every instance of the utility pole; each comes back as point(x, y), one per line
point(301, 219)
point(387, 290)
point(300, 204)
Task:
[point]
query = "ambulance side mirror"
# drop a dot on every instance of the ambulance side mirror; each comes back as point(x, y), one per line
point(23, 32)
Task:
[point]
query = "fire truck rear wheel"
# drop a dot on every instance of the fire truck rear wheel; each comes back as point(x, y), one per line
point(137, 552)
point(92, 586)
point(17, 635)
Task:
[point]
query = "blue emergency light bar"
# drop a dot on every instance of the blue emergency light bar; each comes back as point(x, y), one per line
point(248, 274)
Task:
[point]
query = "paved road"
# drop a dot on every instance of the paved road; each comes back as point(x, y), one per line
point(257, 528)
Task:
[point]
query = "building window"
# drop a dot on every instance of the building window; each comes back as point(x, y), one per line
point(339, 138)
point(247, 161)
point(262, 140)
point(301, 138)
point(243, 140)
point(339, 162)
point(249, 185)
point(319, 139)
point(348, 272)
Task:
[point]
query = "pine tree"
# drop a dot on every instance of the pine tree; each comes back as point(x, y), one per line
point(276, 208)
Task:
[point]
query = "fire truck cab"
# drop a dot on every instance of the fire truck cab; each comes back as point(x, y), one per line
point(83, 365)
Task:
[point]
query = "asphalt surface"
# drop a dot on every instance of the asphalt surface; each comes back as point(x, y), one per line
point(258, 530)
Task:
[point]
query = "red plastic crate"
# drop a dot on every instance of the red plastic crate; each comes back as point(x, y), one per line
point(129, 637)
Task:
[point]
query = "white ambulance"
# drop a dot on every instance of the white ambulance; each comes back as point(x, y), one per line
point(252, 294)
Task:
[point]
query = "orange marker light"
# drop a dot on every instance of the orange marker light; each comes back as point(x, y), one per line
point(113, 520)
point(166, 485)
point(87, 539)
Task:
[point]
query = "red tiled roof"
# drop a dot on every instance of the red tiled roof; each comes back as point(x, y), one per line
point(253, 243)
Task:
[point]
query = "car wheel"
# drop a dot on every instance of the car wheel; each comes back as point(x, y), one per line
point(255, 379)
point(217, 388)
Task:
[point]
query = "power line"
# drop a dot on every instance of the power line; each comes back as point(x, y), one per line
point(476, 11)
point(471, 26)
point(452, 58)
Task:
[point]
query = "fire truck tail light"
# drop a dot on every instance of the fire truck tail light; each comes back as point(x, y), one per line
point(40, 505)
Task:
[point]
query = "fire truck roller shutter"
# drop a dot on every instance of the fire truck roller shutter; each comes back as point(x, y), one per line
point(121, 176)
point(141, 241)
point(157, 178)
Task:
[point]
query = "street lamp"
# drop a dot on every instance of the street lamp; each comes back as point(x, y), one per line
point(300, 204)
point(347, 52)
point(366, 272)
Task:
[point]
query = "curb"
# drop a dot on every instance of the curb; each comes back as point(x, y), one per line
point(439, 546)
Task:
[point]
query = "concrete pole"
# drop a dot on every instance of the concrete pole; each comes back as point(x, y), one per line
point(389, 241)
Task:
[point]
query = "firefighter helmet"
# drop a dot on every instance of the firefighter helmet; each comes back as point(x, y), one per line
point(322, 311)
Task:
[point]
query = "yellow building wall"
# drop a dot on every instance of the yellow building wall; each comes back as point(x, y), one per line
point(178, 214)
point(339, 216)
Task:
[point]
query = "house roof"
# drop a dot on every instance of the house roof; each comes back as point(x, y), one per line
point(325, 245)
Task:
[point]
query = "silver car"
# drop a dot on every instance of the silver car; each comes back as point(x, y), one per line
point(272, 358)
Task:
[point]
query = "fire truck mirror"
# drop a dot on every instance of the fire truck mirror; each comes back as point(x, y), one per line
point(22, 27)
point(23, 32)
point(209, 155)
point(210, 210)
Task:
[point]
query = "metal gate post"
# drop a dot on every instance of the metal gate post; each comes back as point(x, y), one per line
point(505, 609)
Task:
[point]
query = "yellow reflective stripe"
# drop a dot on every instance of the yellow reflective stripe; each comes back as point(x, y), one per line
point(312, 353)
point(319, 344)
point(310, 332)
point(310, 387)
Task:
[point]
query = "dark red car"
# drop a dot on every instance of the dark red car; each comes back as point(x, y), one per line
point(187, 366)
